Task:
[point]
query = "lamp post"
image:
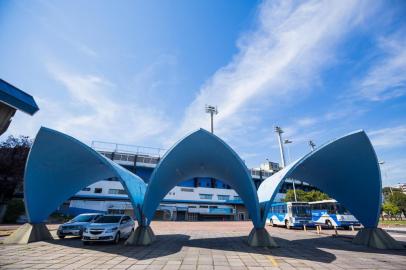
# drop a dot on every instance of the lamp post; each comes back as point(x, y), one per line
point(212, 110)
point(287, 142)
point(385, 174)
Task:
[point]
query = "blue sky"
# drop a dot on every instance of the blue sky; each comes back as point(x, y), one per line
point(140, 72)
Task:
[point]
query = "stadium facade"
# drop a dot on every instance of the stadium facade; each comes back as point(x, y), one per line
point(197, 199)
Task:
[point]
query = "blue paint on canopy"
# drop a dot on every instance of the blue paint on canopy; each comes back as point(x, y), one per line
point(346, 169)
point(16, 98)
point(200, 154)
point(59, 166)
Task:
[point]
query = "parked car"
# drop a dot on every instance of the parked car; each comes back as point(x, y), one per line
point(108, 228)
point(76, 225)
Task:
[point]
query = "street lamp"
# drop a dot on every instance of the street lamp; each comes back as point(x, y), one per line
point(287, 142)
point(385, 174)
point(212, 110)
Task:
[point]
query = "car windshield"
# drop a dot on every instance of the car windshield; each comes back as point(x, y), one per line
point(108, 219)
point(83, 218)
point(301, 210)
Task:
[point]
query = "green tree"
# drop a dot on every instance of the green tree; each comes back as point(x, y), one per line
point(13, 156)
point(390, 209)
point(398, 198)
point(305, 196)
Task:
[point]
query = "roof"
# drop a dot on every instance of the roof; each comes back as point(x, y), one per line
point(16, 98)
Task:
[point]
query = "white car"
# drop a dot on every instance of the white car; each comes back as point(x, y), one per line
point(108, 228)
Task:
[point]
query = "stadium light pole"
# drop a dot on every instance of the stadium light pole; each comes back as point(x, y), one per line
point(212, 110)
point(279, 132)
point(312, 145)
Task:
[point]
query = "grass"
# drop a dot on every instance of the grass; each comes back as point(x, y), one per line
point(393, 222)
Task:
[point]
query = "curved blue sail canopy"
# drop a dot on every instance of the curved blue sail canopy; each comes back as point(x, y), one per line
point(200, 154)
point(58, 166)
point(346, 169)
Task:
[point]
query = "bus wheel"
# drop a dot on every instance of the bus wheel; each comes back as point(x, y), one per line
point(329, 224)
point(287, 224)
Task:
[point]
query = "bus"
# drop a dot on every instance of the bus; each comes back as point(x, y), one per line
point(289, 214)
point(332, 214)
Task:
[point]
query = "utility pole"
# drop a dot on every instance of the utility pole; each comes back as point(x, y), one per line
point(212, 110)
point(312, 145)
point(279, 132)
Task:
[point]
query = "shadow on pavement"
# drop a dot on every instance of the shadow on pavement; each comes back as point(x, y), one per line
point(172, 243)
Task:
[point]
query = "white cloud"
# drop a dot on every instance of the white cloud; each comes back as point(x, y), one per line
point(387, 78)
point(276, 63)
point(389, 137)
point(393, 171)
point(90, 107)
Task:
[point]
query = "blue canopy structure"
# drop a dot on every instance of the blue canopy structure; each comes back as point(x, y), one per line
point(346, 169)
point(200, 154)
point(16, 98)
point(58, 166)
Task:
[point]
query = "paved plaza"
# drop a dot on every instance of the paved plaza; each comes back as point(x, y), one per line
point(205, 246)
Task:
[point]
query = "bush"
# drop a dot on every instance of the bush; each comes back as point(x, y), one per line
point(15, 208)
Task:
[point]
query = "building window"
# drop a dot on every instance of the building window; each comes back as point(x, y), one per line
point(86, 189)
point(117, 191)
point(223, 197)
point(206, 196)
point(98, 190)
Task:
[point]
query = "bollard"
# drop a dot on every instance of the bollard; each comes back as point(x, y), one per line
point(304, 228)
point(352, 228)
point(335, 231)
point(318, 229)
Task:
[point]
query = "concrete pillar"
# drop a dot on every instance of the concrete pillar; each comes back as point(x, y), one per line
point(142, 236)
point(376, 238)
point(259, 237)
point(28, 233)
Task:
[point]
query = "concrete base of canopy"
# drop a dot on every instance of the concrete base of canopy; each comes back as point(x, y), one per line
point(261, 238)
point(142, 236)
point(376, 238)
point(28, 233)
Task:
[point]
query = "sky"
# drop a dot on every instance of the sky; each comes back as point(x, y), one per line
point(141, 72)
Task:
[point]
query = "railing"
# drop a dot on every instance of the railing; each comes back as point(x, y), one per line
point(127, 149)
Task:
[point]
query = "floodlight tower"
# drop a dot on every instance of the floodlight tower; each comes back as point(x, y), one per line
point(212, 110)
point(312, 145)
point(279, 132)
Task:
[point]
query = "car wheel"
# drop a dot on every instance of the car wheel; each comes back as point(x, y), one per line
point(117, 238)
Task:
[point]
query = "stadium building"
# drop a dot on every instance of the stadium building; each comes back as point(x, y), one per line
point(195, 199)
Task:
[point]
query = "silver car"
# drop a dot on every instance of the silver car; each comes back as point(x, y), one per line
point(108, 228)
point(75, 226)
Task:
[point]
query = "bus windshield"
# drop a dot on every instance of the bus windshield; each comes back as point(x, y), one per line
point(341, 210)
point(301, 210)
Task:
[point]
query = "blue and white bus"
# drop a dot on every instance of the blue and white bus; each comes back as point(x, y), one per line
point(289, 214)
point(332, 214)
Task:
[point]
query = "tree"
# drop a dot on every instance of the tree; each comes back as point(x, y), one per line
point(305, 196)
point(390, 209)
point(13, 156)
point(399, 200)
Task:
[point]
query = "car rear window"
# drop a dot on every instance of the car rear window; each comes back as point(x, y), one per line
point(108, 219)
point(83, 218)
